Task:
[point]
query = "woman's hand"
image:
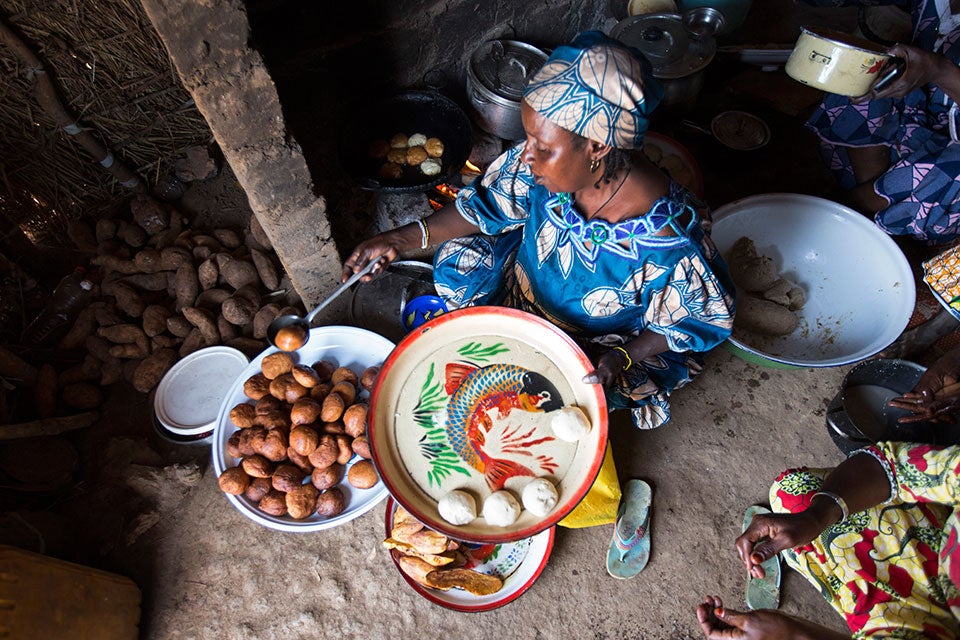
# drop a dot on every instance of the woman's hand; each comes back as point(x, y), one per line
point(609, 366)
point(922, 67)
point(769, 534)
point(936, 396)
point(385, 247)
point(719, 623)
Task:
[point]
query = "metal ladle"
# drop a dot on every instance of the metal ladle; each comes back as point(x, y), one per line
point(283, 322)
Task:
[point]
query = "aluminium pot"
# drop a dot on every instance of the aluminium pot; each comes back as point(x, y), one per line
point(836, 62)
point(498, 72)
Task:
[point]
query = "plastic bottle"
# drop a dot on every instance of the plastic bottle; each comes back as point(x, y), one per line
point(71, 295)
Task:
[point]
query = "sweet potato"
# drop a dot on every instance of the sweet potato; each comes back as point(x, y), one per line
point(82, 395)
point(172, 257)
point(148, 260)
point(211, 299)
point(201, 253)
point(164, 341)
point(86, 371)
point(156, 281)
point(155, 319)
point(85, 325)
point(179, 326)
point(262, 319)
point(204, 321)
point(208, 273)
point(152, 216)
point(131, 234)
point(121, 333)
point(106, 229)
point(149, 372)
point(107, 315)
point(204, 240)
point(111, 371)
point(239, 273)
point(186, 286)
point(265, 269)
point(256, 230)
point(227, 330)
point(228, 238)
point(129, 351)
point(475, 582)
point(191, 343)
point(238, 310)
point(113, 263)
point(128, 300)
point(248, 346)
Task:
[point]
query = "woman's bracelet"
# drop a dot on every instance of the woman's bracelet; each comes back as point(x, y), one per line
point(844, 512)
point(424, 233)
point(625, 355)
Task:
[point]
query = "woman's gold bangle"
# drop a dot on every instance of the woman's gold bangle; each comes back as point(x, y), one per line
point(625, 355)
point(424, 233)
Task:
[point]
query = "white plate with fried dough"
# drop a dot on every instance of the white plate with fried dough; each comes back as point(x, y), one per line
point(517, 564)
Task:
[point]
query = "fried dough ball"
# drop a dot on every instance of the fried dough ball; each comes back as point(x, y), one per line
point(245, 442)
point(362, 475)
point(399, 141)
point(345, 453)
point(275, 445)
point(285, 388)
point(391, 170)
point(332, 407)
point(326, 452)
point(355, 419)
point(331, 502)
point(305, 411)
point(269, 404)
point(258, 488)
point(305, 375)
point(331, 476)
point(276, 364)
point(417, 140)
point(378, 148)
point(321, 391)
point(287, 477)
point(430, 167)
point(256, 466)
point(258, 435)
point(256, 386)
point(302, 461)
point(304, 440)
point(302, 501)
point(434, 147)
point(397, 157)
point(274, 503)
point(272, 420)
point(324, 369)
point(369, 377)
point(242, 415)
point(341, 374)
point(346, 390)
point(233, 444)
point(233, 481)
point(416, 155)
point(291, 338)
point(333, 428)
point(361, 447)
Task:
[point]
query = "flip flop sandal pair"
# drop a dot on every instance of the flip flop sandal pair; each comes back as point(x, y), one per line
point(630, 547)
point(762, 593)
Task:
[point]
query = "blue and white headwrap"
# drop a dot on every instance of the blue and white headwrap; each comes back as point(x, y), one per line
point(598, 88)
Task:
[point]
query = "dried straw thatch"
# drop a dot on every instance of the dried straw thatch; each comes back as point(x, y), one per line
point(114, 75)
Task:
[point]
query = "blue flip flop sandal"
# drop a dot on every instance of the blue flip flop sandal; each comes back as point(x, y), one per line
point(630, 547)
point(762, 593)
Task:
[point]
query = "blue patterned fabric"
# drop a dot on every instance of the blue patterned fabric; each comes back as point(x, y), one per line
point(921, 183)
point(602, 283)
point(597, 88)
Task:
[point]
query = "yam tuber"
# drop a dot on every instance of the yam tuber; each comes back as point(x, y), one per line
point(204, 321)
point(265, 269)
point(186, 285)
point(155, 319)
point(152, 369)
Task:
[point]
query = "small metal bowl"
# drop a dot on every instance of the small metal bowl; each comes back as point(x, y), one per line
point(703, 22)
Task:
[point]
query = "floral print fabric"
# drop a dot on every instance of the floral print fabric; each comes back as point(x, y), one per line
point(892, 571)
point(602, 283)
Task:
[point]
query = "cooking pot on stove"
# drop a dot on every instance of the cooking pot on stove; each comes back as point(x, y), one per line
point(498, 72)
point(678, 60)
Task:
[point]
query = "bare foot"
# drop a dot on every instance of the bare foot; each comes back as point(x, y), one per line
point(915, 341)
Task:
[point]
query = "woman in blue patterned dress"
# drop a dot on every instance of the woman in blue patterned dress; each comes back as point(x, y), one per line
point(575, 225)
point(897, 150)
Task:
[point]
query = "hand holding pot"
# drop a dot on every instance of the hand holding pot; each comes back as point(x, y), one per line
point(919, 67)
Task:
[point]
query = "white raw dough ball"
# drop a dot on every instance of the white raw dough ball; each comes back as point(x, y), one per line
point(501, 509)
point(430, 167)
point(457, 507)
point(570, 424)
point(417, 140)
point(539, 497)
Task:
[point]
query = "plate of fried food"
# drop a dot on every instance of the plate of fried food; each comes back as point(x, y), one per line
point(482, 427)
point(290, 447)
point(459, 575)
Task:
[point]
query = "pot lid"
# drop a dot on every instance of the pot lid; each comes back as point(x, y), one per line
point(505, 66)
point(188, 397)
point(662, 38)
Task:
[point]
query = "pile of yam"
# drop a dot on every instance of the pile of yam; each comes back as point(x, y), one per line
point(167, 290)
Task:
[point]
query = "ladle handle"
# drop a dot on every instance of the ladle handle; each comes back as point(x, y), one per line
point(339, 290)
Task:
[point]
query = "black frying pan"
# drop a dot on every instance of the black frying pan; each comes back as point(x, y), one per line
point(426, 112)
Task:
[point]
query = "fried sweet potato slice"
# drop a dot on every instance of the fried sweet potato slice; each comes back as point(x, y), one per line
point(437, 560)
point(416, 568)
point(479, 584)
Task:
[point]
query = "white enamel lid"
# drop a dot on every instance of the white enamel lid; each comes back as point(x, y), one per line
point(188, 397)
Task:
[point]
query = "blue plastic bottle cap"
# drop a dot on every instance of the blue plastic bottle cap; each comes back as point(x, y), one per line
point(421, 309)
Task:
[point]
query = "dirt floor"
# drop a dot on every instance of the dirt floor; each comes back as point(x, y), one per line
point(208, 572)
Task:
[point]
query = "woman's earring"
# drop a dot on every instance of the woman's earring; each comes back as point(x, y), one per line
point(594, 165)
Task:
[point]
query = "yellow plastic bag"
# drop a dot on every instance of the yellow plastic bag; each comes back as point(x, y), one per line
point(600, 504)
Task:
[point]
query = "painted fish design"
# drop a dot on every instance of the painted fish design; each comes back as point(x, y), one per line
point(474, 393)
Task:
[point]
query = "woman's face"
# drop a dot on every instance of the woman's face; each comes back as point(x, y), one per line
point(559, 160)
